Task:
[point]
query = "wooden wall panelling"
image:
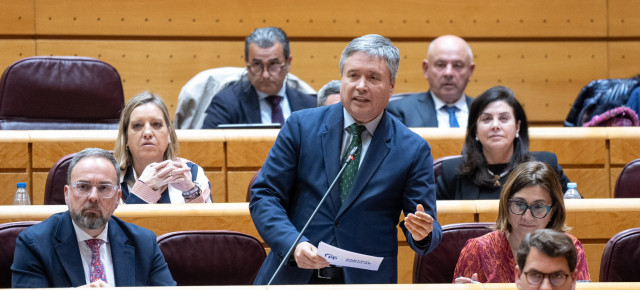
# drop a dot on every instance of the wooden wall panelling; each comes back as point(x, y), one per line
point(162, 67)
point(12, 50)
point(17, 17)
point(623, 18)
point(405, 18)
point(624, 59)
point(584, 156)
point(14, 153)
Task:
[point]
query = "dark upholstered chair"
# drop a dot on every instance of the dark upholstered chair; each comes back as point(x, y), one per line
point(198, 258)
point(61, 93)
point(56, 180)
point(8, 234)
point(628, 184)
point(621, 257)
point(437, 165)
point(438, 266)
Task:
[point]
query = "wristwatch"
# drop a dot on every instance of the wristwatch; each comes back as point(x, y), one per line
point(192, 193)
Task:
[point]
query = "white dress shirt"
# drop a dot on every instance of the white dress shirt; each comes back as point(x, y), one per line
point(105, 253)
point(365, 138)
point(462, 115)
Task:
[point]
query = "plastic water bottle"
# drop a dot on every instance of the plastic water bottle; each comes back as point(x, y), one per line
point(22, 196)
point(572, 192)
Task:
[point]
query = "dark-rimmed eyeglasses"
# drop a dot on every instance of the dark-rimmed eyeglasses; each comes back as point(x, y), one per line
point(537, 210)
point(274, 68)
point(106, 190)
point(556, 278)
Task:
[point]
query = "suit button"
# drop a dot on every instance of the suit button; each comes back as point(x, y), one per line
point(337, 223)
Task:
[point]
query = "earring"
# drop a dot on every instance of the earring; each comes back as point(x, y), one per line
point(477, 138)
point(126, 147)
point(517, 135)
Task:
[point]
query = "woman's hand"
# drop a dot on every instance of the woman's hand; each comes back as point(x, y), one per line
point(465, 280)
point(180, 176)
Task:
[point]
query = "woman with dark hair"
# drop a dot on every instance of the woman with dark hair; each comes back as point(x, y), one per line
point(146, 150)
point(531, 199)
point(497, 141)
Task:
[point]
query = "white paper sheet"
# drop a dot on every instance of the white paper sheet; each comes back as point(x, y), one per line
point(344, 258)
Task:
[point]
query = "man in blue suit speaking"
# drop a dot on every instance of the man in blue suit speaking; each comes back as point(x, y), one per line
point(393, 173)
point(86, 245)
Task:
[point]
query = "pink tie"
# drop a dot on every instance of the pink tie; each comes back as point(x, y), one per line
point(97, 268)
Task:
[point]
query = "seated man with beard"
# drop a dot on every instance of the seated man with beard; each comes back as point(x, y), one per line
point(86, 245)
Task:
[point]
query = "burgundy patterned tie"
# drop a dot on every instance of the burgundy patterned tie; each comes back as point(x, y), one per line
point(276, 111)
point(96, 267)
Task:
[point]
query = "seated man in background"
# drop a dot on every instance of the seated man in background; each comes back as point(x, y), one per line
point(86, 245)
point(447, 68)
point(329, 94)
point(265, 98)
point(546, 260)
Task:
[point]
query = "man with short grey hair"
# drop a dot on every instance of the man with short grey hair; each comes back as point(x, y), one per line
point(329, 94)
point(87, 245)
point(391, 172)
point(447, 68)
point(264, 98)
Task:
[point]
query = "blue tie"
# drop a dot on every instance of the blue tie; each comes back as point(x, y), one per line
point(453, 121)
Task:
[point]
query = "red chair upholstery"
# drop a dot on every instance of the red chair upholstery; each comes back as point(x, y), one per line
point(628, 184)
point(437, 165)
point(198, 258)
point(60, 93)
point(438, 266)
point(621, 257)
point(8, 234)
point(56, 180)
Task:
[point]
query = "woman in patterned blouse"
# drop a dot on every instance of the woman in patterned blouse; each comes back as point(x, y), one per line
point(531, 199)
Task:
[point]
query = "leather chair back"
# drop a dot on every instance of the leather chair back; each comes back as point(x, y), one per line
point(198, 258)
point(439, 265)
point(60, 93)
point(621, 257)
point(437, 165)
point(8, 234)
point(56, 180)
point(628, 181)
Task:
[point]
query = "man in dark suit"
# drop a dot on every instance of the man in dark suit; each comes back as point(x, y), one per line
point(264, 98)
point(447, 68)
point(86, 245)
point(392, 171)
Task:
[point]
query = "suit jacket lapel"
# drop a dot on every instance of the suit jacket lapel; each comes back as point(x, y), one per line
point(122, 255)
point(430, 118)
point(68, 252)
point(295, 102)
point(250, 104)
point(331, 139)
point(378, 150)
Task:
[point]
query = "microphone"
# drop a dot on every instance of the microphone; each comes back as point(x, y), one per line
point(350, 158)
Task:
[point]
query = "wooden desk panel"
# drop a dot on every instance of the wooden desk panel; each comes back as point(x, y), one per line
point(8, 186)
point(575, 146)
point(624, 145)
point(249, 148)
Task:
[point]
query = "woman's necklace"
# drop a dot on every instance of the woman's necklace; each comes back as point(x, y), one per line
point(497, 177)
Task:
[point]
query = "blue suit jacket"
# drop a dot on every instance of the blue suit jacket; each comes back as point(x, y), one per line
point(395, 175)
point(47, 255)
point(417, 110)
point(239, 104)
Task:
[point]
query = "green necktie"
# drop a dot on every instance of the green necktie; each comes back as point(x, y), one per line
point(349, 174)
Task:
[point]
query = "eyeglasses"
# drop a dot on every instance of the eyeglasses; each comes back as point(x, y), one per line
point(537, 210)
point(556, 278)
point(274, 68)
point(104, 190)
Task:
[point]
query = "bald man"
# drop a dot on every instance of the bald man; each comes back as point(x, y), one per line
point(447, 68)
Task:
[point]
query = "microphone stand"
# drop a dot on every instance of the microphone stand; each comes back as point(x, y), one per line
point(293, 246)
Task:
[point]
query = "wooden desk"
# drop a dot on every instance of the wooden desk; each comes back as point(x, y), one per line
point(594, 221)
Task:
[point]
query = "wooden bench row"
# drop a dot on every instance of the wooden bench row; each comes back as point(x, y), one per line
point(593, 221)
point(546, 51)
point(592, 157)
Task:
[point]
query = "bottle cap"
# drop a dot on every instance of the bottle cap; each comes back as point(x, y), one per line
point(22, 184)
point(572, 185)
